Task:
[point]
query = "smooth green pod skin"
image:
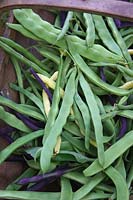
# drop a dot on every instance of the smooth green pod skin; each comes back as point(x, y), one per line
point(13, 121)
point(42, 29)
point(130, 177)
point(79, 157)
point(21, 108)
point(95, 79)
point(86, 118)
point(90, 31)
point(80, 178)
point(120, 167)
point(72, 128)
point(65, 145)
point(85, 189)
point(118, 80)
point(96, 195)
point(47, 150)
point(5, 153)
point(119, 41)
point(76, 176)
point(55, 104)
point(22, 51)
point(47, 32)
point(74, 141)
point(66, 189)
point(96, 53)
point(31, 96)
point(21, 58)
point(125, 31)
point(31, 83)
point(129, 40)
point(105, 35)
point(110, 154)
point(120, 183)
point(66, 66)
point(57, 22)
point(123, 113)
point(107, 125)
point(19, 77)
point(65, 26)
point(78, 118)
point(48, 54)
point(95, 115)
point(22, 195)
point(121, 68)
point(23, 31)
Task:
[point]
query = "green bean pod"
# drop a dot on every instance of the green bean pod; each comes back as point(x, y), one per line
point(29, 195)
point(21, 108)
point(96, 53)
point(66, 189)
point(20, 57)
point(19, 77)
point(42, 29)
point(95, 115)
point(105, 35)
point(23, 31)
point(119, 41)
point(85, 189)
point(95, 79)
point(31, 96)
point(13, 121)
point(111, 154)
point(65, 26)
point(47, 150)
point(48, 54)
point(90, 31)
point(23, 51)
point(55, 104)
point(120, 183)
point(5, 153)
point(86, 118)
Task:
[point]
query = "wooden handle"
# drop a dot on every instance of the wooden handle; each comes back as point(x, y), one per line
point(114, 8)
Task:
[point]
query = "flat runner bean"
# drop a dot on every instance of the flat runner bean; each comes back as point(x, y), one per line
point(95, 115)
point(90, 31)
point(105, 35)
point(60, 121)
point(111, 154)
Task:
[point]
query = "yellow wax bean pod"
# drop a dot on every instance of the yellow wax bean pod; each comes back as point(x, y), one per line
point(57, 146)
point(54, 76)
point(50, 83)
point(128, 85)
point(46, 102)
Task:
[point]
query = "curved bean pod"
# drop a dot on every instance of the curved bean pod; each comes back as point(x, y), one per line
point(120, 183)
point(119, 40)
point(96, 53)
point(47, 151)
point(95, 79)
point(21, 108)
point(105, 35)
point(13, 121)
point(5, 153)
point(23, 31)
point(65, 26)
point(95, 115)
point(90, 31)
point(110, 154)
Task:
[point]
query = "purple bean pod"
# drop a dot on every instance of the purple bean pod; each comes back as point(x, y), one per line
point(42, 84)
point(123, 128)
point(27, 121)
